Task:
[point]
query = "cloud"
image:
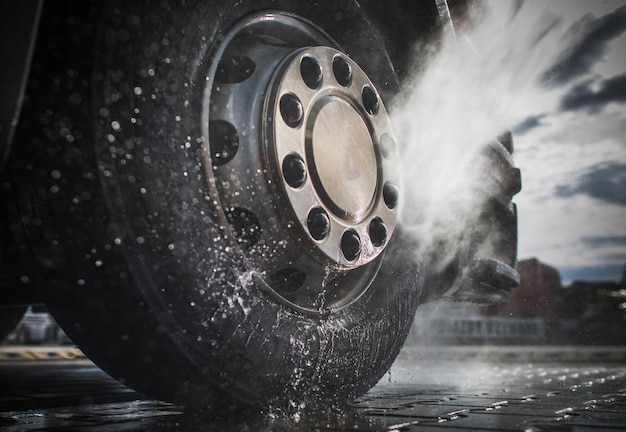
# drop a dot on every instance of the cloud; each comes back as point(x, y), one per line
point(604, 241)
point(594, 34)
point(608, 272)
point(570, 145)
point(529, 123)
point(605, 181)
point(583, 97)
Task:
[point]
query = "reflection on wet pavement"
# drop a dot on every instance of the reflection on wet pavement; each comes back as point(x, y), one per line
point(419, 393)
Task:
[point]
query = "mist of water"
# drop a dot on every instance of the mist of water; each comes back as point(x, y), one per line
point(480, 82)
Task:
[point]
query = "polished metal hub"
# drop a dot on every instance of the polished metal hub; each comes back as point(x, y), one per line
point(347, 172)
point(336, 139)
point(300, 161)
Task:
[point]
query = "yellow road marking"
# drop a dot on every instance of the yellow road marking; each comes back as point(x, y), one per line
point(39, 354)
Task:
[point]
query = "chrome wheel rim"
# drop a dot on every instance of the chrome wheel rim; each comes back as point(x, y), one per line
point(300, 160)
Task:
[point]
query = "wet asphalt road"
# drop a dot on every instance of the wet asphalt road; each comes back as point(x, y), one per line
point(466, 388)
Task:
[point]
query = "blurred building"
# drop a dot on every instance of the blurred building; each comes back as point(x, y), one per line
point(537, 295)
point(540, 310)
point(586, 312)
point(594, 312)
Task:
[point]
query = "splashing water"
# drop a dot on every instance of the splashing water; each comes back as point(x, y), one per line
point(478, 83)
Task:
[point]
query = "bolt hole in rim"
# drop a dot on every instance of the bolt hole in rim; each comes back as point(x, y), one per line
point(350, 245)
point(318, 223)
point(234, 70)
point(291, 110)
point(294, 170)
point(224, 141)
point(342, 71)
point(310, 169)
point(370, 100)
point(311, 72)
point(378, 232)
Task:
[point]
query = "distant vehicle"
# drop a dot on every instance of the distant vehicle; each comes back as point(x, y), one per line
point(37, 327)
point(205, 194)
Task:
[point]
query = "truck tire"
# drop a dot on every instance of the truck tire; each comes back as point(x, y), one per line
point(175, 185)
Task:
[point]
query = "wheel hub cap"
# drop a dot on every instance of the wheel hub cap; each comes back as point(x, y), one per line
point(333, 128)
point(344, 159)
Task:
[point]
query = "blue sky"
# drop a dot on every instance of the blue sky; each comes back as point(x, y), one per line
point(572, 147)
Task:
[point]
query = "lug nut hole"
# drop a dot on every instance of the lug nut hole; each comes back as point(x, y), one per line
point(291, 110)
point(318, 223)
point(294, 170)
point(387, 145)
point(234, 70)
point(342, 71)
point(287, 279)
point(311, 72)
point(245, 227)
point(378, 232)
point(370, 100)
point(350, 245)
point(223, 141)
point(391, 195)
